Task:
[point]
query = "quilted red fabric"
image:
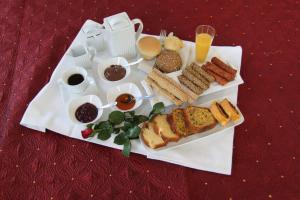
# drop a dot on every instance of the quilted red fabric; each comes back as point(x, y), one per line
point(266, 161)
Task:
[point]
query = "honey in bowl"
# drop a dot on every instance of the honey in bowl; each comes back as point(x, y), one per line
point(125, 101)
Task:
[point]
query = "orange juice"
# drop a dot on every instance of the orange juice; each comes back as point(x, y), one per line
point(203, 43)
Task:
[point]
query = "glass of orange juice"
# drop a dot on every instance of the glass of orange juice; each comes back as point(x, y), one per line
point(204, 37)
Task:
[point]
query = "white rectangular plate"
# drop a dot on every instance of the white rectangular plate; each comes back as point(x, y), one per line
point(192, 138)
point(187, 54)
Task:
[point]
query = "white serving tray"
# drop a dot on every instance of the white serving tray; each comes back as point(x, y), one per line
point(192, 138)
point(211, 150)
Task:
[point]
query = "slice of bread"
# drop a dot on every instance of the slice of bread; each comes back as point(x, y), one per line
point(230, 110)
point(150, 138)
point(198, 119)
point(219, 113)
point(177, 122)
point(163, 128)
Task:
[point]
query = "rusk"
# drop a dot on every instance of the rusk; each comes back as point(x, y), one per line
point(219, 113)
point(199, 76)
point(230, 110)
point(194, 79)
point(203, 73)
point(189, 84)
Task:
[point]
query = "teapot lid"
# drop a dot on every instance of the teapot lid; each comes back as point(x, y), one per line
point(117, 22)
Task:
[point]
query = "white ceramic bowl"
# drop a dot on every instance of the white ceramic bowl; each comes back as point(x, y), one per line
point(75, 103)
point(129, 88)
point(112, 61)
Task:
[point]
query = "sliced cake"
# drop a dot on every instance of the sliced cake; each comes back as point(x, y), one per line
point(177, 122)
point(150, 138)
point(163, 128)
point(198, 119)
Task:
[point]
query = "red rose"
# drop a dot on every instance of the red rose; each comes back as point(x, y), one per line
point(86, 133)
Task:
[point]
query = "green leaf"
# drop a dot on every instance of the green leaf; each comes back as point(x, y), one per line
point(129, 115)
point(133, 132)
point(104, 134)
point(104, 125)
point(140, 119)
point(93, 133)
point(116, 130)
point(104, 130)
point(116, 117)
point(120, 139)
point(152, 116)
point(126, 148)
point(126, 126)
point(157, 108)
point(90, 126)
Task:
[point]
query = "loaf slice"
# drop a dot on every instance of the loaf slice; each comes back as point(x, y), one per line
point(150, 138)
point(163, 128)
point(198, 119)
point(177, 122)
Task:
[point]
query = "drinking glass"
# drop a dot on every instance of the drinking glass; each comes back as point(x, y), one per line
point(204, 37)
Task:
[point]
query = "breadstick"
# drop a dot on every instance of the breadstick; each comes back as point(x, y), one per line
point(163, 92)
point(170, 85)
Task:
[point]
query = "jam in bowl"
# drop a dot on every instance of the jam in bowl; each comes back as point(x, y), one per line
point(85, 109)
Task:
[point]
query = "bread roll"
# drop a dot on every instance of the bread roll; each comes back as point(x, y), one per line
point(149, 47)
point(173, 43)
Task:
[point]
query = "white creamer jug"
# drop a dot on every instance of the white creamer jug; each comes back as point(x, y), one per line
point(120, 34)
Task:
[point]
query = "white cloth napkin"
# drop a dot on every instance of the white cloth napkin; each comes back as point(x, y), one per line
point(48, 110)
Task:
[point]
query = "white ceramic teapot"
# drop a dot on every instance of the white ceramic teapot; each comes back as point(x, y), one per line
point(120, 34)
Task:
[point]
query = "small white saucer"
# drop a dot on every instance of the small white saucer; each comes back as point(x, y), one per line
point(75, 103)
point(129, 88)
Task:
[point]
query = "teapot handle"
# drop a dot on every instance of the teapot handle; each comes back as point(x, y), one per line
point(140, 29)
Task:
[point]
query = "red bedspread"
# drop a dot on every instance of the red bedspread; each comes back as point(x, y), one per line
point(266, 160)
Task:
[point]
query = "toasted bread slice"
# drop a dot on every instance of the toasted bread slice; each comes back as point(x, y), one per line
point(150, 138)
point(163, 128)
point(230, 110)
point(198, 119)
point(219, 113)
point(177, 122)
